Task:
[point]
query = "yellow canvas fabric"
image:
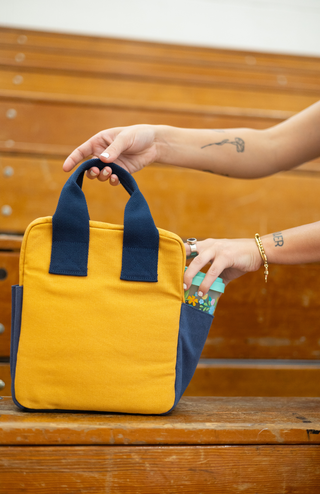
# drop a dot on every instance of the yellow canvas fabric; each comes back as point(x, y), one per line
point(98, 342)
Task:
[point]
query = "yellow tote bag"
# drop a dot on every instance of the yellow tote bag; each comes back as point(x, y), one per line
point(99, 321)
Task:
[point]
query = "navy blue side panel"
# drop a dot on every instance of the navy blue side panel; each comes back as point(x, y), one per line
point(17, 298)
point(70, 230)
point(193, 332)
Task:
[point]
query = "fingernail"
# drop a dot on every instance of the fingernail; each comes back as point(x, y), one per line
point(106, 155)
point(200, 294)
point(112, 179)
point(93, 173)
point(105, 172)
point(184, 286)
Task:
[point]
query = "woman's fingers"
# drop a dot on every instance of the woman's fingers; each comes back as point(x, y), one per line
point(114, 180)
point(101, 144)
point(205, 255)
point(229, 258)
point(212, 274)
point(102, 175)
point(79, 154)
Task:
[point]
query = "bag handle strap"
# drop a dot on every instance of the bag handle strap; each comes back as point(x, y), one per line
point(70, 230)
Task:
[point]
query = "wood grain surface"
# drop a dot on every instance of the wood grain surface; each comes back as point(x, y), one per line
point(218, 445)
point(206, 420)
point(9, 269)
point(161, 469)
point(66, 87)
point(21, 39)
point(208, 205)
point(166, 71)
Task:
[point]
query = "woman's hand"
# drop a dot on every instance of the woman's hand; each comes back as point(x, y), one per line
point(130, 147)
point(229, 259)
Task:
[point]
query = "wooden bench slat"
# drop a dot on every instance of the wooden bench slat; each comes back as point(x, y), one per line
point(240, 207)
point(153, 70)
point(5, 376)
point(24, 134)
point(194, 421)
point(71, 88)
point(210, 444)
point(161, 470)
point(75, 44)
point(9, 266)
point(278, 321)
point(254, 378)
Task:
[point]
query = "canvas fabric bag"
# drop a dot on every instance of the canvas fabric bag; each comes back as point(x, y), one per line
point(99, 321)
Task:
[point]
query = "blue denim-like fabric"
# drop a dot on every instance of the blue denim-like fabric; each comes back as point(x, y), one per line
point(16, 311)
point(70, 230)
point(193, 332)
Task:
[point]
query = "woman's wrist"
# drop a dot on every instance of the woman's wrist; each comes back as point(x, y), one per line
point(165, 143)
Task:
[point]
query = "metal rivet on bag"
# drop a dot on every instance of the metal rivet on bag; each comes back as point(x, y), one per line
point(3, 273)
point(11, 113)
point(2, 384)
point(2, 328)
point(8, 171)
point(6, 210)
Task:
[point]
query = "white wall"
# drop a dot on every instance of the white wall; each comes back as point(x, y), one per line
point(283, 26)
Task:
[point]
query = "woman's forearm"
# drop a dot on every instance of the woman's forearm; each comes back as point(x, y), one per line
point(243, 153)
point(230, 259)
point(293, 246)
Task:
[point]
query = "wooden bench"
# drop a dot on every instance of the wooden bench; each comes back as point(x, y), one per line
point(264, 339)
point(221, 445)
point(56, 91)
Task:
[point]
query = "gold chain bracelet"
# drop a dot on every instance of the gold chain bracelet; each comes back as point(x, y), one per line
point(263, 255)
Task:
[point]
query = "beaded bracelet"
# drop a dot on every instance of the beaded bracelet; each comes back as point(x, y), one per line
point(263, 255)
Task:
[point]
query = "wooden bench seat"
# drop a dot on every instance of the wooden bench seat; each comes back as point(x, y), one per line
point(163, 70)
point(20, 130)
point(66, 87)
point(221, 445)
point(126, 49)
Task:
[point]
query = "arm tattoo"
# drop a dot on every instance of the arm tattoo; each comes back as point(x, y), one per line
point(238, 142)
point(278, 239)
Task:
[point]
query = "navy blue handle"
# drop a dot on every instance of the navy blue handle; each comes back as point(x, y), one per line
point(70, 230)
